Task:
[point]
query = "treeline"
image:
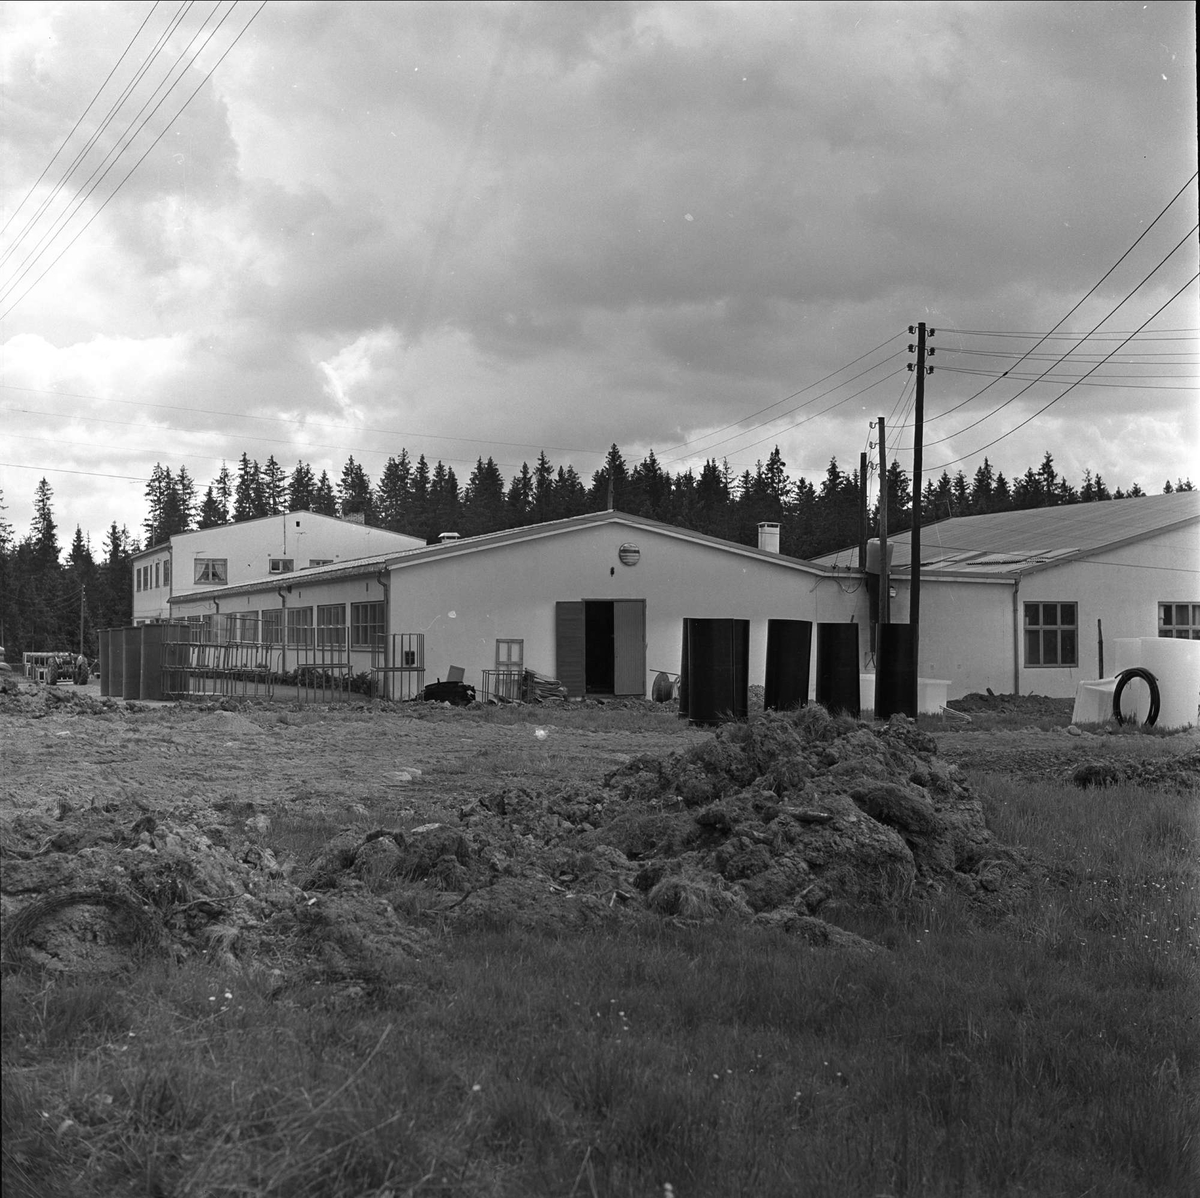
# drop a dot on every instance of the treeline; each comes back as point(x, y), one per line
point(46, 602)
point(42, 596)
point(815, 517)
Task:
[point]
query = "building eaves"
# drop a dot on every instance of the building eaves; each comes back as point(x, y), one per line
point(552, 528)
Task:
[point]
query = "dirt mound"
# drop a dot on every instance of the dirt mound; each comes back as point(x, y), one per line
point(781, 820)
point(1033, 706)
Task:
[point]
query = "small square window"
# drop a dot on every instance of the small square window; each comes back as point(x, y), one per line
point(282, 565)
point(212, 570)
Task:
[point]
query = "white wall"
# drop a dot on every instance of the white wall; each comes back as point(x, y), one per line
point(463, 601)
point(966, 634)
point(248, 548)
point(1122, 588)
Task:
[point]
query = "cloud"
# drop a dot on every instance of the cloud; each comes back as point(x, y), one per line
point(569, 225)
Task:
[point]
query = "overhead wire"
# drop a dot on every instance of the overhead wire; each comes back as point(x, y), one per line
point(105, 122)
point(1129, 295)
point(809, 387)
point(241, 33)
point(74, 128)
point(1058, 325)
point(1055, 400)
point(363, 428)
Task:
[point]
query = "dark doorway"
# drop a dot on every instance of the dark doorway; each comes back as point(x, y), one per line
point(600, 646)
point(599, 628)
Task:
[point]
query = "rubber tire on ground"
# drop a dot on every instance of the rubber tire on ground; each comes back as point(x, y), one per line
point(1126, 676)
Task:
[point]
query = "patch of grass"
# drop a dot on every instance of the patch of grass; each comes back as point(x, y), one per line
point(1052, 1052)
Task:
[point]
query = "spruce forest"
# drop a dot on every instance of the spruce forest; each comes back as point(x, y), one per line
point(48, 602)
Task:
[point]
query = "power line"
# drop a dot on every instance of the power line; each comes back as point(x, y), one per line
point(987, 416)
point(101, 129)
point(1055, 400)
point(155, 142)
point(792, 411)
point(727, 427)
point(387, 432)
point(75, 127)
point(1090, 292)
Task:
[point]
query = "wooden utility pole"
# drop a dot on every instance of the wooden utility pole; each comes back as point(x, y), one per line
point(885, 615)
point(82, 603)
point(862, 512)
point(914, 599)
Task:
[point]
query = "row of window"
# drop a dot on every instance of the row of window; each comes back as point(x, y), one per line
point(300, 627)
point(214, 571)
point(1051, 630)
point(151, 577)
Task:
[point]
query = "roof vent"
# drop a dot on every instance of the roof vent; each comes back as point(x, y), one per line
point(354, 518)
point(448, 538)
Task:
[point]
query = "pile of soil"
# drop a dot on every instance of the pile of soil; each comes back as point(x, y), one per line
point(1033, 706)
point(781, 821)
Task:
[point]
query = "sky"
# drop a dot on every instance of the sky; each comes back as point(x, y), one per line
point(497, 229)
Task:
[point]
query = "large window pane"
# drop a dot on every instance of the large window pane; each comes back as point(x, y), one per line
point(1033, 656)
point(1066, 648)
point(1049, 648)
point(1066, 615)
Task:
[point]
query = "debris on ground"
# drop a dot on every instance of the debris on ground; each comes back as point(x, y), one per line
point(1033, 706)
point(783, 821)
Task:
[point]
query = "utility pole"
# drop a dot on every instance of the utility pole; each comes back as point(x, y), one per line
point(914, 602)
point(885, 615)
point(82, 603)
point(862, 512)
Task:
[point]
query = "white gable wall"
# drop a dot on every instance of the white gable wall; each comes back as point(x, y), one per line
point(465, 600)
point(1121, 588)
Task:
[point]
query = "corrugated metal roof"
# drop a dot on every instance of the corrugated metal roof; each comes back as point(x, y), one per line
point(1016, 542)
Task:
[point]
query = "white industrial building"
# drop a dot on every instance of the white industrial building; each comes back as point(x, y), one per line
point(1021, 601)
point(595, 601)
point(1015, 601)
point(266, 547)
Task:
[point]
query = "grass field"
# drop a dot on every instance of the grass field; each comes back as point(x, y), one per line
point(1051, 1052)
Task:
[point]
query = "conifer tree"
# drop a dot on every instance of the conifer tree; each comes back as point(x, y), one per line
point(324, 501)
point(301, 488)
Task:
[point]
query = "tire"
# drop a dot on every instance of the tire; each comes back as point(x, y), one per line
point(1126, 676)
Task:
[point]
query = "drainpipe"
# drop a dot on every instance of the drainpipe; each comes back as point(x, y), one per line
point(283, 632)
point(1016, 690)
point(381, 578)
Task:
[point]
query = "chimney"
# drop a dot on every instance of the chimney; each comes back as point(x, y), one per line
point(768, 537)
point(447, 538)
point(354, 518)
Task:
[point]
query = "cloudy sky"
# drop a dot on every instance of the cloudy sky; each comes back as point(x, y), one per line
point(473, 229)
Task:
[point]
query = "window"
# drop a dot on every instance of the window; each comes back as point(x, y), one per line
point(510, 655)
point(243, 627)
point(320, 561)
point(137, 579)
point(157, 575)
point(167, 573)
point(366, 625)
point(300, 627)
point(331, 625)
point(282, 565)
point(1050, 634)
point(271, 623)
point(212, 570)
point(1180, 621)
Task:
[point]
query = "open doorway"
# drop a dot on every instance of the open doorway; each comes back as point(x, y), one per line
point(601, 646)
